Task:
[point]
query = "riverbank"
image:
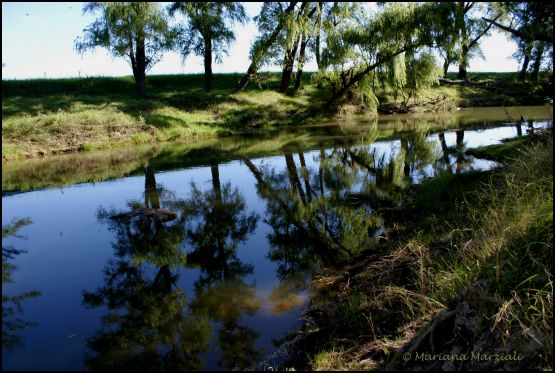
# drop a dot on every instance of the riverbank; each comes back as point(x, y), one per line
point(20, 175)
point(462, 281)
point(53, 116)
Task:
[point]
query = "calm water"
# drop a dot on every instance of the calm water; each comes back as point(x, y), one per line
point(218, 286)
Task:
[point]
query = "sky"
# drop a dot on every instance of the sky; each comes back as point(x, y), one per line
point(38, 41)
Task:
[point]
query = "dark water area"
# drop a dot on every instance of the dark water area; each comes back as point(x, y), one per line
point(91, 279)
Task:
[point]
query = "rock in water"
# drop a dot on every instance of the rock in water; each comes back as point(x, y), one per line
point(161, 215)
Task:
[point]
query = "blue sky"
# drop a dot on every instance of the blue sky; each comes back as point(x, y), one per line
point(38, 41)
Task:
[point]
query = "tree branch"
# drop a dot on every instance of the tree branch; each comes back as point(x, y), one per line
point(521, 34)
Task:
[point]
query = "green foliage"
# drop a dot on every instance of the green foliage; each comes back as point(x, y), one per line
point(208, 23)
point(349, 317)
point(290, 25)
point(365, 49)
point(422, 72)
point(271, 16)
point(122, 28)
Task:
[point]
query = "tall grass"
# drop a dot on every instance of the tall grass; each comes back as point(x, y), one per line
point(494, 252)
point(501, 255)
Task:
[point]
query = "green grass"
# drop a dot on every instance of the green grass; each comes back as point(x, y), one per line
point(46, 116)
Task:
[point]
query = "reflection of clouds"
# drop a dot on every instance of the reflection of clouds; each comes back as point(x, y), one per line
point(226, 300)
point(286, 302)
point(278, 301)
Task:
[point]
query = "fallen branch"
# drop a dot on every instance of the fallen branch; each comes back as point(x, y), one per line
point(406, 108)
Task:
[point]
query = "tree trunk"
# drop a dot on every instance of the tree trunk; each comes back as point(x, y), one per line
point(463, 62)
point(522, 75)
point(318, 27)
point(446, 64)
point(461, 24)
point(139, 71)
point(288, 62)
point(152, 198)
point(460, 139)
point(460, 151)
point(306, 176)
point(216, 185)
point(208, 64)
point(445, 151)
point(300, 64)
point(253, 68)
point(537, 61)
point(163, 280)
point(519, 128)
point(140, 82)
point(406, 166)
point(293, 176)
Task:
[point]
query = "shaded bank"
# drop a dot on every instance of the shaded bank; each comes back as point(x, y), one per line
point(467, 272)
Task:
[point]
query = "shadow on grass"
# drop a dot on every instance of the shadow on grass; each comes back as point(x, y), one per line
point(164, 121)
point(183, 92)
point(199, 100)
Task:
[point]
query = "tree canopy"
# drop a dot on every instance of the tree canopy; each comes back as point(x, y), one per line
point(208, 30)
point(136, 31)
point(357, 47)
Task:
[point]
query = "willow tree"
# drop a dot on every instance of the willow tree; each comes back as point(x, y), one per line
point(472, 27)
point(299, 31)
point(447, 42)
point(208, 31)
point(532, 29)
point(364, 50)
point(271, 21)
point(531, 21)
point(137, 32)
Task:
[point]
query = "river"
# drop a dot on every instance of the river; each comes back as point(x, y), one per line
point(90, 281)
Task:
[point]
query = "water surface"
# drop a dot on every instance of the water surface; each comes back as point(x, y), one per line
point(218, 286)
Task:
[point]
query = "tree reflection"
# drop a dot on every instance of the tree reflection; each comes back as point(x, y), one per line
point(150, 323)
point(459, 152)
point(219, 223)
point(444, 152)
point(146, 326)
point(315, 217)
point(328, 213)
point(460, 149)
point(12, 306)
point(418, 152)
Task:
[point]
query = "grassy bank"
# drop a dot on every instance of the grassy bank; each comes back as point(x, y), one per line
point(21, 175)
point(49, 116)
point(466, 270)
